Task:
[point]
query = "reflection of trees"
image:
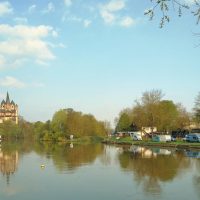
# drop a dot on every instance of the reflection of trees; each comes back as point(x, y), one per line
point(66, 158)
point(106, 157)
point(153, 169)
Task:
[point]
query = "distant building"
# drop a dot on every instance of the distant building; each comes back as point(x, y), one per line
point(8, 110)
point(148, 130)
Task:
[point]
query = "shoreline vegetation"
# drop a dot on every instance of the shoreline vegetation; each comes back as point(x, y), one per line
point(128, 141)
point(66, 126)
point(151, 111)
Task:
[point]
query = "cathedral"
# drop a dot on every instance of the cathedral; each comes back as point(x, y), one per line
point(8, 110)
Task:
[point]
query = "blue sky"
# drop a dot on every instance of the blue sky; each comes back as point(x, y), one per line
point(94, 56)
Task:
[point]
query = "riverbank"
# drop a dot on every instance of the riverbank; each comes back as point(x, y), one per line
point(80, 140)
point(128, 141)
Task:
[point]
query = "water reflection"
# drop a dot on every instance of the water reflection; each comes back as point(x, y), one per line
point(67, 158)
point(151, 167)
point(131, 171)
point(8, 163)
point(192, 154)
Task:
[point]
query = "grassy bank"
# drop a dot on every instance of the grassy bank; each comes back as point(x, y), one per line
point(128, 141)
point(81, 140)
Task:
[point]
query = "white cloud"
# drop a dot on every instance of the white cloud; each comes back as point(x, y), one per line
point(25, 31)
point(114, 5)
point(5, 8)
point(127, 22)
point(87, 23)
point(108, 11)
point(50, 8)
point(28, 47)
point(112, 15)
point(21, 20)
point(25, 43)
point(68, 2)
point(108, 17)
point(32, 8)
point(12, 82)
point(54, 33)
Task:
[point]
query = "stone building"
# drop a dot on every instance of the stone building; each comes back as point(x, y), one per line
point(8, 110)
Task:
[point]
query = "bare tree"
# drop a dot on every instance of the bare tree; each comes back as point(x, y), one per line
point(197, 109)
point(165, 6)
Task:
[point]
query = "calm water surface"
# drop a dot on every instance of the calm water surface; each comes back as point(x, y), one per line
point(97, 172)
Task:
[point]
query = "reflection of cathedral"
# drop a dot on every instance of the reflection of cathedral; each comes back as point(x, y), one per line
point(8, 163)
point(8, 110)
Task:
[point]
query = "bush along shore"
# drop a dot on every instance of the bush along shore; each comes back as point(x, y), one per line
point(179, 144)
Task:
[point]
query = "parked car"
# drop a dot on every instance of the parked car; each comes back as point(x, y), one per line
point(194, 137)
point(136, 135)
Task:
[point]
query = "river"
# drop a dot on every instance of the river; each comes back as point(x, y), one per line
point(96, 172)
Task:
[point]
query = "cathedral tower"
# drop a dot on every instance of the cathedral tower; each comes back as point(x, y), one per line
point(8, 110)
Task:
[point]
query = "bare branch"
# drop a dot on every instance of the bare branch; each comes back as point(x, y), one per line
point(164, 7)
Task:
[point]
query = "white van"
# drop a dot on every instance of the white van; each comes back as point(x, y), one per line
point(136, 135)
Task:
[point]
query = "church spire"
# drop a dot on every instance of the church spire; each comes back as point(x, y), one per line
point(7, 98)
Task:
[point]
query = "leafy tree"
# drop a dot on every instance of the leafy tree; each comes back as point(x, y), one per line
point(124, 122)
point(139, 115)
point(152, 111)
point(8, 129)
point(183, 118)
point(197, 109)
point(39, 129)
point(67, 121)
point(26, 129)
point(167, 116)
point(59, 121)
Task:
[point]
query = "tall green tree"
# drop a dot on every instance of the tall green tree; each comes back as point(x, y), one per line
point(167, 116)
point(59, 121)
point(124, 122)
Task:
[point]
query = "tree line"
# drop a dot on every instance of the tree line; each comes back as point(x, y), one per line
point(64, 123)
point(152, 111)
point(68, 122)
